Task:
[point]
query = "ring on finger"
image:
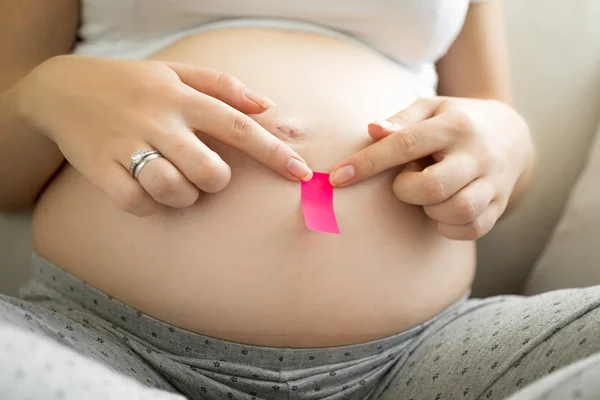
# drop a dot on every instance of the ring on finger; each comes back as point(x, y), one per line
point(140, 158)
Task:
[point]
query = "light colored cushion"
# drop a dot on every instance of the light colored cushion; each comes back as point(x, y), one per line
point(572, 256)
point(555, 64)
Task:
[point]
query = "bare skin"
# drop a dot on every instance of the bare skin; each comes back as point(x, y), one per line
point(239, 264)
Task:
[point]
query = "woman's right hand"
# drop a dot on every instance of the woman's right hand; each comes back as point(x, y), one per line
point(100, 111)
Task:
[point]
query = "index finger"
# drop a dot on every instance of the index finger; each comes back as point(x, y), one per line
point(222, 86)
point(398, 148)
point(229, 126)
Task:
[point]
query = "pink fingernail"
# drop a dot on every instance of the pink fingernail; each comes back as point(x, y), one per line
point(259, 99)
point(384, 124)
point(342, 175)
point(299, 169)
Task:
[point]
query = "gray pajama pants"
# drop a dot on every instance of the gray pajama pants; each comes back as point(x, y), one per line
point(66, 340)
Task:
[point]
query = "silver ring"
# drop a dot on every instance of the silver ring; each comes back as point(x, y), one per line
point(149, 157)
point(137, 158)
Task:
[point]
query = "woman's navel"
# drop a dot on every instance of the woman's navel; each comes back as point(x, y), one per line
point(282, 125)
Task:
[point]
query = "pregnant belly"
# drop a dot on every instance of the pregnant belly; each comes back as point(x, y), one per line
point(240, 265)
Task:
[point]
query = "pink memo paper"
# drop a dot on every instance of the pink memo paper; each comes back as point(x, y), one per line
point(317, 204)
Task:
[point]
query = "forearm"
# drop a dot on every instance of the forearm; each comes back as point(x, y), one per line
point(30, 32)
point(27, 158)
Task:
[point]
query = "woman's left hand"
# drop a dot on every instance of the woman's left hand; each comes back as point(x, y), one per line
point(479, 150)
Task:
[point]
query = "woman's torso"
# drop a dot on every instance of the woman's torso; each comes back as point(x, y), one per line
point(240, 265)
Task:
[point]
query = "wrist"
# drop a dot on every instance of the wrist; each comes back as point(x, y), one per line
point(12, 106)
point(522, 154)
point(524, 177)
point(24, 101)
point(17, 103)
point(19, 112)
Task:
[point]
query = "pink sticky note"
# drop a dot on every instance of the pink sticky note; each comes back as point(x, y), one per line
point(317, 204)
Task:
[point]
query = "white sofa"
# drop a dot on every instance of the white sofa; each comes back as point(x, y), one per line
point(555, 56)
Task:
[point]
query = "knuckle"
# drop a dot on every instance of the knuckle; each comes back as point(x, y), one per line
point(208, 169)
point(462, 121)
point(150, 89)
point(164, 184)
point(465, 208)
point(177, 144)
point(487, 159)
point(274, 149)
point(434, 188)
point(422, 102)
point(477, 228)
point(402, 118)
point(407, 116)
point(367, 163)
point(406, 142)
point(148, 108)
point(169, 90)
point(242, 128)
point(227, 82)
point(212, 177)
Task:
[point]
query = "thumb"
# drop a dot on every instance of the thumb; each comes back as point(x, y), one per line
point(407, 176)
point(223, 87)
point(418, 111)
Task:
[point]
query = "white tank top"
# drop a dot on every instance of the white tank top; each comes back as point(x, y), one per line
point(414, 33)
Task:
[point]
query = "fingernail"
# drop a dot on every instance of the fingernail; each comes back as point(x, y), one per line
point(342, 175)
point(259, 99)
point(299, 169)
point(384, 124)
